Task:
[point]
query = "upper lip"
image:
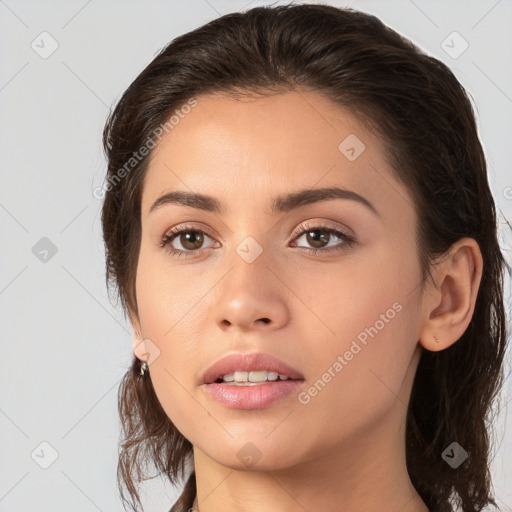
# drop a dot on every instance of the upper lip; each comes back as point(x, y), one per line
point(255, 361)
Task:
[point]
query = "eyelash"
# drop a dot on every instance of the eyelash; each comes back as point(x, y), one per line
point(306, 228)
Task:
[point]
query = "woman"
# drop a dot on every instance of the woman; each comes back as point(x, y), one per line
point(299, 225)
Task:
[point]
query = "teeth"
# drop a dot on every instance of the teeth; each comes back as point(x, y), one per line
point(253, 377)
point(241, 376)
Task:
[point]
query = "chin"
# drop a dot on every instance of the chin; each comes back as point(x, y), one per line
point(251, 453)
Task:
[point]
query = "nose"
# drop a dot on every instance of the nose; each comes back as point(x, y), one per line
point(251, 297)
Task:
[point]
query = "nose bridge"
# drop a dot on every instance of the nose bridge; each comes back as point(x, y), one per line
point(255, 242)
point(250, 233)
point(250, 262)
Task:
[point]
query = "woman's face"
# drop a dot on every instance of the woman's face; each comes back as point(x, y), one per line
point(244, 280)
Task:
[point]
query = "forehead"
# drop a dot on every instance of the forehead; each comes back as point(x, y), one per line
point(241, 149)
point(301, 121)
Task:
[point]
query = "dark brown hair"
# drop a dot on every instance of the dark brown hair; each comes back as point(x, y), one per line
point(426, 121)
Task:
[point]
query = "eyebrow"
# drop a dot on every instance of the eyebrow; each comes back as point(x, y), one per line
point(279, 204)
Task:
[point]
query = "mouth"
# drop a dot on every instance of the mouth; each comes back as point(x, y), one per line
point(250, 369)
point(251, 381)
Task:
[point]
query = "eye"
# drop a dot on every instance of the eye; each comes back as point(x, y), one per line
point(191, 239)
point(318, 236)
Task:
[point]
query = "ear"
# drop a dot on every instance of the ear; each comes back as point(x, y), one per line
point(449, 301)
point(139, 347)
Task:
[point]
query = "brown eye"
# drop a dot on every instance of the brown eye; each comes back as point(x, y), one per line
point(318, 237)
point(184, 241)
point(316, 240)
point(191, 240)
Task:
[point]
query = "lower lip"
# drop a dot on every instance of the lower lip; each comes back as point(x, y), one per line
point(252, 397)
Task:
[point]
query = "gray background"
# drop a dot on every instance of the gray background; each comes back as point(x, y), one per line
point(64, 345)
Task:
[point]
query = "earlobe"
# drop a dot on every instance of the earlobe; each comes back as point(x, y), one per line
point(139, 347)
point(449, 305)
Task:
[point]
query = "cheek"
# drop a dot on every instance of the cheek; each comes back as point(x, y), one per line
point(167, 295)
point(168, 312)
point(359, 296)
point(354, 384)
point(368, 335)
point(174, 309)
point(169, 321)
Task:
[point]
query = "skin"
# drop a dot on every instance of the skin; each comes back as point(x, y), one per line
point(345, 448)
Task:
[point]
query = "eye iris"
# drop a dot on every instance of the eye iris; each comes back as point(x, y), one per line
point(188, 237)
point(317, 239)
